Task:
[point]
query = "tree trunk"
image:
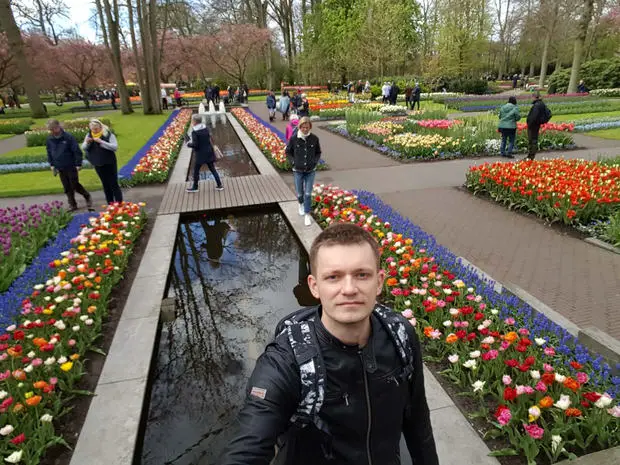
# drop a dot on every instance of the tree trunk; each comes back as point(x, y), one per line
point(531, 74)
point(134, 46)
point(16, 45)
point(579, 42)
point(155, 83)
point(147, 56)
point(112, 43)
point(543, 61)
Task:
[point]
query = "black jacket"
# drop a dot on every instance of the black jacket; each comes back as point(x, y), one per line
point(362, 400)
point(303, 155)
point(63, 152)
point(201, 143)
point(537, 113)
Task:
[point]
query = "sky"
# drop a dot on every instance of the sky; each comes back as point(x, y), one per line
point(81, 12)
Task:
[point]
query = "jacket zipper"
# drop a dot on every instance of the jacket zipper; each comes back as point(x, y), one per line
point(368, 408)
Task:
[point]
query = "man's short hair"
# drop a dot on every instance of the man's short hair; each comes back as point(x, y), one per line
point(53, 123)
point(343, 234)
point(196, 118)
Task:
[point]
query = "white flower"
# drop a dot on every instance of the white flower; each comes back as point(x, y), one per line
point(535, 374)
point(560, 378)
point(60, 325)
point(454, 311)
point(474, 354)
point(12, 328)
point(563, 403)
point(89, 322)
point(3, 394)
point(60, 299)
point(407, 303)
point(8, 429)
point(84, 317)
point(556, 440)
point(494, 311)
point(29, 369)
point(50, 361)
point(453, 358)
point(38, 287)
point(478, 385)
point(604, 401)
point(62, 360)
point(56, 279)
point(31, 354)
point(15, 457)
point(470, 364)
point(488, 340)
point(447, 323)
point(541, 342)
point(76, 328)
point(53, 340)
point(47, 298)
point(47, 418)
point(470, 289)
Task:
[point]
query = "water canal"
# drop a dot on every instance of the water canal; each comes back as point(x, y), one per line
point(232, 279)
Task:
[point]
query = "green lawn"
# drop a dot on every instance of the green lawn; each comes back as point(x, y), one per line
point(25, 151)
point(6, 136)
point(606, 133)
point(579, 116)
point(132, 132)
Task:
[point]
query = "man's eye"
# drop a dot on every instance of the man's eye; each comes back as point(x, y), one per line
point(363, 275)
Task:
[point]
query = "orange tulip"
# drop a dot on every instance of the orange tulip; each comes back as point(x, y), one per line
point(40, 385)
point(18, 408)
point(91, 309)
point(511, 336)
point(62, 274)
point(546, 402)
point(39, 341)
point(19, 375)
point(392, 282)
point(98, 279)
point(34, 401)
point(452, 338)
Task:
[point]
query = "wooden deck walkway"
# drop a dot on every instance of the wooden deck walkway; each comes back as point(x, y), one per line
point(239, 191)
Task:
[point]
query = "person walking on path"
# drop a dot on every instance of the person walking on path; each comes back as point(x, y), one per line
point(285, 103)
point(292, 125)
point(303, 152)
point(164, 98)
point(508, 117)
point(341, 381)
point(100, 145)
point(65, 159)
point(204, 154)
point(408, 96)
point(304, 107)
point(177, 96)
point(539, 114)
point(271, 105)
point(415, 96)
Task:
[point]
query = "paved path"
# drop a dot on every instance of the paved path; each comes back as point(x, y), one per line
point(578, 280)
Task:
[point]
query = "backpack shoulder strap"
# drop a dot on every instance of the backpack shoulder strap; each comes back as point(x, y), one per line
point(395, 326)
point(303, 341)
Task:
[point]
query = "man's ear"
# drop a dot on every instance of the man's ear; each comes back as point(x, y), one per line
point(312, 285)
point(380, 280)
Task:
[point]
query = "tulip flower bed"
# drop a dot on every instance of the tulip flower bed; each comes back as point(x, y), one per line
point(43, 352)
point(571, 191)
point(15, 126)
point(270, 140)
point(413, 139)
point(22, 233)
point(536, 386)
point(153, 163)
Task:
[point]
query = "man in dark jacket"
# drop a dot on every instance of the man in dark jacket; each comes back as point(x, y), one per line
point(394, 91)
point(65, 159)
point(204, 154)
point(538, 115)
point(415, 96)
point(368, 396)
point(303, 152)
point(271, 105)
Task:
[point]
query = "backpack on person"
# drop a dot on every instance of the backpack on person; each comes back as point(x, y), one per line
point(300, 330)
point(546, 115)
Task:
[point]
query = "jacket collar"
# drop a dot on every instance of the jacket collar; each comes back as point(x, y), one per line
point(368, 352)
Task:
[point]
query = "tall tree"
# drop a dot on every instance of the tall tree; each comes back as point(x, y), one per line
point(16, 44)
point(234, 48)
point(43, 16)
point(584, 23)
point(9, 74)
point(110, 30)
point(549, 15)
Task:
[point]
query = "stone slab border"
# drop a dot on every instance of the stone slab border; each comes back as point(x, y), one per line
point(112, 426)
point(602, 244)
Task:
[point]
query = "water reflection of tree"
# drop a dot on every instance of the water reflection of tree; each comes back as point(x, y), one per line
point(202, 368)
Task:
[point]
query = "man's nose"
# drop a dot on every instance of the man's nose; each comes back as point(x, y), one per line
point(349, 286)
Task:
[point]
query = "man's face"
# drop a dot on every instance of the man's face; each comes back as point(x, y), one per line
point(305, 128)
point(346, 281)
point(55, 130)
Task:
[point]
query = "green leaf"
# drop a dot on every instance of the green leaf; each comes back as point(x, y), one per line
point(503, 452)
point(81, 392)
point(98, 350)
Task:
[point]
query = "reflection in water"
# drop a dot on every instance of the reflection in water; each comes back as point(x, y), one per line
point(236, 161)
point(231, 279)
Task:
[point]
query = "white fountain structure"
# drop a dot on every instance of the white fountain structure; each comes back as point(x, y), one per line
point(208, 109)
